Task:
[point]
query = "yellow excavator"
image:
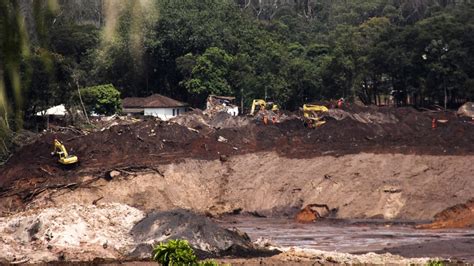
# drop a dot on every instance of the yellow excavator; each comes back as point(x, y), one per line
point(313, 115)
point(64, 157)
point(263, 105)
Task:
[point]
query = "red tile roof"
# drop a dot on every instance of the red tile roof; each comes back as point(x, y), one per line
point(153, 101)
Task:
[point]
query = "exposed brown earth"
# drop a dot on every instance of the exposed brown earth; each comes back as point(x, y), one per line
point(151, 143)
point(380, 163)
point(457, 216)
point(389, 186)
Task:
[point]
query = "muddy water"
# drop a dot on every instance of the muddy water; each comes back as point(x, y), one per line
point(361, 236)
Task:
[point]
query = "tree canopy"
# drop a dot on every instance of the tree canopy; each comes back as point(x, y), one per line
point(420, 52)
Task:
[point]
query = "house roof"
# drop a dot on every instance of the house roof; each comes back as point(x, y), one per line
point(131, 102)
point(58, 110)
point(153, 101)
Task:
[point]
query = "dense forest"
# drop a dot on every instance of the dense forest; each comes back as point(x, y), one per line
point(420, 52)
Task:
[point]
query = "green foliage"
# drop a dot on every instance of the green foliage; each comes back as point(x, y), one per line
point(210, 72)
point(208, 263)
point(178, 252)
point(295, 53)
point(102, 99)
point(174, 252)
point(435, 263)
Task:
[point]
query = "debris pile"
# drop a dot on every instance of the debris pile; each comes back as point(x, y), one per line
point(458, 216)
point(221, 104)
point(314, 212)
point(466, 110)
point(111, 231)
point(72, 233)
point(205, 236)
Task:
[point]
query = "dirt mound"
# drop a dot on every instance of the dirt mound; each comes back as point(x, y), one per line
point(225, 120)
point(204, 235)
point(466, 110)
point(112, 231)
point(72, 233)
point(195, 119)
point(313, 212)
point(458, 216)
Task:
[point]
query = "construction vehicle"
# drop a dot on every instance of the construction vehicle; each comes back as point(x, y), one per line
point(64, 157)
point(313, 115)
point(263, 105)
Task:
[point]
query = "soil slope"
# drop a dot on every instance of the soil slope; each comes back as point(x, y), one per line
point(365, 161)
point(358, 186)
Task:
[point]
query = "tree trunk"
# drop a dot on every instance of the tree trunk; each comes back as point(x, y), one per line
point(80, 99)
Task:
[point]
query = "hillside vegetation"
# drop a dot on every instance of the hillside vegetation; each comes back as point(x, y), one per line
point(420, 51)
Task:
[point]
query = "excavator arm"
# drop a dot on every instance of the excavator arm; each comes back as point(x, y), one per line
point(311, 114)
point(257, 102)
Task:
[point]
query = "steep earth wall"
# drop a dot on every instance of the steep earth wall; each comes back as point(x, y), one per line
point(390, 186)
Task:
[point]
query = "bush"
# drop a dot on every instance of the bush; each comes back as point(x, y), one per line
point(208, 263)
point(178, 252)
point(102, 99)
point(175, 252)
point(435, 263)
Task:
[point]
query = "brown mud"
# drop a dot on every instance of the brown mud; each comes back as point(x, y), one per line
point(365, 163)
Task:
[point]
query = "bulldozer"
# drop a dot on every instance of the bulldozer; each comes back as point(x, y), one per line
point(263, 105)
point(313, 115)
point(64, 157)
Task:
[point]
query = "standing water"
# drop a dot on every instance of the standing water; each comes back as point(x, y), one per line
point(360, 236)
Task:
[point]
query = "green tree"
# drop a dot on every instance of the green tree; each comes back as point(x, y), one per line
point(102, 99)
point(210, 73)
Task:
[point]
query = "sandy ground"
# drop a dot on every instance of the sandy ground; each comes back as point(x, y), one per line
point(384, 186)
point(296, 256)
point(74, 232)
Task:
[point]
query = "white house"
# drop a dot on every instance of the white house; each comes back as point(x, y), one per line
point(155, 105)
point(58, 110)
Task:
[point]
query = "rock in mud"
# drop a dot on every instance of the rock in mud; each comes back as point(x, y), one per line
point(205, 236)
point(313, 212)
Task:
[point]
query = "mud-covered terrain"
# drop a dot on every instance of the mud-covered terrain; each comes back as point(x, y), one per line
point(365, 162)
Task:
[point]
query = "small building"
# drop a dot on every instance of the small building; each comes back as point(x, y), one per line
point(155, 105)
point(58, 110)
point(52, 116)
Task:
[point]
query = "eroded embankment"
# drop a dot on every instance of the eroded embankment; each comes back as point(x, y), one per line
point(359, 186)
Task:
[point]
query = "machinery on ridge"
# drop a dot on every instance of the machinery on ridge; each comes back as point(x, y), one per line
point(313, 115)
point(64, 157)
point(263, 105)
